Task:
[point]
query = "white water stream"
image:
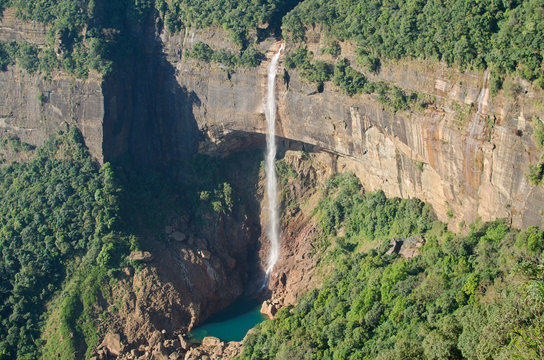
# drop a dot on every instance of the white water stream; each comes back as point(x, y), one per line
point(273, 230)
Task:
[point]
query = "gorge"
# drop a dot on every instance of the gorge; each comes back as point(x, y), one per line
point(178, 130)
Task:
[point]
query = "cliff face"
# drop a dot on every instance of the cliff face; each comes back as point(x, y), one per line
point(462, 163)
point(32, 107)
point(160, 107)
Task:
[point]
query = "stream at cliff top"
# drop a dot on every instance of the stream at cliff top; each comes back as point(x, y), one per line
point(231, 324)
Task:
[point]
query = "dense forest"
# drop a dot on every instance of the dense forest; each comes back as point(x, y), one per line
point(505, 36)
point(68, 224)
point(237, 17)
point(59, 222)
point(479, 296)
point(66, 228)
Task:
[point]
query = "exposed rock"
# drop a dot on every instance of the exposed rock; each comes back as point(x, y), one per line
point(269, 309)
point(227, 351)
point(205, 254)
point(410, 246)
point(156, 338)
point(140, 256)
point(183, 343)
point(231, 262)
point(395, 246)
point(428, 154)
point(112, 342)
point(178, 236)
point(211, 341)
point(407, 248)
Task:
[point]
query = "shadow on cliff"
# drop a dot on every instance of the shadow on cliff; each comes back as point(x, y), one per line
point(148, 115)
point(151, 134)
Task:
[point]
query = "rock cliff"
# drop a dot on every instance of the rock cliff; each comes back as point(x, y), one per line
point(160, 107)
point(33, 106)
point(468, 165)
point(466, 155)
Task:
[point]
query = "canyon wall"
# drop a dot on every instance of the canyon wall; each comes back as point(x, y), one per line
point(161, 107)
point(466, 167)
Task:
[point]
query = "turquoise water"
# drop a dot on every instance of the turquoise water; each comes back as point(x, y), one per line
point(231, 324)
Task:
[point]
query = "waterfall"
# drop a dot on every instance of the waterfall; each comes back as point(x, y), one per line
point(271, 181)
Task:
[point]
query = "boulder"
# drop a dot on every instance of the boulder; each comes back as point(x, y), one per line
point(156, 338)
point(178, 236)
point(140, 256)
point(211, 341)
point(183, 343)
point(205, 254)
point(269, 309)
point(112, 343)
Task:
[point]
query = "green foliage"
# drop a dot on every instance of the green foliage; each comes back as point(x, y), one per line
point(536, 173)
point(105, 41)
point(370, 215)
point(6, 58)
point(350, 81)
point(315, 72)
point(505, 36)
point(237, 17)
point(538, 132)
point(14, 144)
point(457, 299)
point(531, 238)
point(298, 59)
point(333, 49)
point(368, 61)
point(246, 58)
point(55, 210)
point(284, 171)
point(27, 57)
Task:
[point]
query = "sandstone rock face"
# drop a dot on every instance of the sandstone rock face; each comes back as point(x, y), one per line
point(443, 155)
point(166, 107)
point(269, 309)
point(32, 107)
point(13, 29)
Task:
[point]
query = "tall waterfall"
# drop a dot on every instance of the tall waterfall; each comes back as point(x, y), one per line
point(271, 181)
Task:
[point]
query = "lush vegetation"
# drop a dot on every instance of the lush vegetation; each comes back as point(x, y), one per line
point(350, 81)
point(246, 58)
point(27, 56)
point(505, 36)
point(237, 17)
point(536, 172)
point(59, 222)
point(478, 296)
point(87, 35)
